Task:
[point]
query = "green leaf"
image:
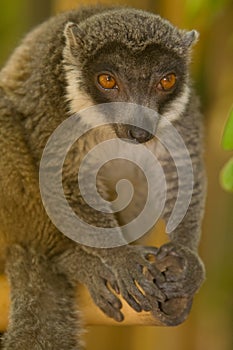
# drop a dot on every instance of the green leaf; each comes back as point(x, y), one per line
point(226, 176)
point(227, 140)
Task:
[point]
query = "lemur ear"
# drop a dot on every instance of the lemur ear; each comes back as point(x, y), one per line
point(74, 35)
point(190, 38)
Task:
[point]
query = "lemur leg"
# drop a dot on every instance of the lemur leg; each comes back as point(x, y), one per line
point(43, 311)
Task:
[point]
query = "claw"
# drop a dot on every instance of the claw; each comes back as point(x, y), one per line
point(116, 288)
point(119, 317)
point(117, 304)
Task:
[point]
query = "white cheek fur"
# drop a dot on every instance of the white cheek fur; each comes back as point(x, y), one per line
point(177, 107)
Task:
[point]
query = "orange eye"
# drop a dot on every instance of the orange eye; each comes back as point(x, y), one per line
point(107, 81)
point(167, 82)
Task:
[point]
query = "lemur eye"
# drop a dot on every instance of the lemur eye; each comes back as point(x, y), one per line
point(107, 81)
point(167, 82)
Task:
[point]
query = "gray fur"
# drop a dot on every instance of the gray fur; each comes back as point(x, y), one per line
point(135, 29)
point(45, 81)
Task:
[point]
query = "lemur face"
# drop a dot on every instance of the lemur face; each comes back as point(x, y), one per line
point(117, 70)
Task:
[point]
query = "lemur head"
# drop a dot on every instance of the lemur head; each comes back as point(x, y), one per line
point(128, 56)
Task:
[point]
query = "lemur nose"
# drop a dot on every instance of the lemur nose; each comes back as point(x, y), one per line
point(139, 135)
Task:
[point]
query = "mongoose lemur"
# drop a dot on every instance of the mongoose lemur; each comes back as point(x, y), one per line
point(76, 60)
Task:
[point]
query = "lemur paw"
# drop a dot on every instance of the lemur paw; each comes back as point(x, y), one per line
point(183, 271)
point(98, 282)
point(131, 267)
point(86, 268)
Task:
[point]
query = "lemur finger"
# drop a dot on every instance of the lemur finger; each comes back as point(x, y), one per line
point(108, 303)
point(114, 286)
point(131, 301)
point(173, 290)
point(134, 291)
point(110, 311)
point(142, 300)
point(149, 283)
point(102, 286)
point(155, 272)
point(152, 290)
point(112, 299)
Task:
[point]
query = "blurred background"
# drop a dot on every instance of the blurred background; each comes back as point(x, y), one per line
point(210, 325)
